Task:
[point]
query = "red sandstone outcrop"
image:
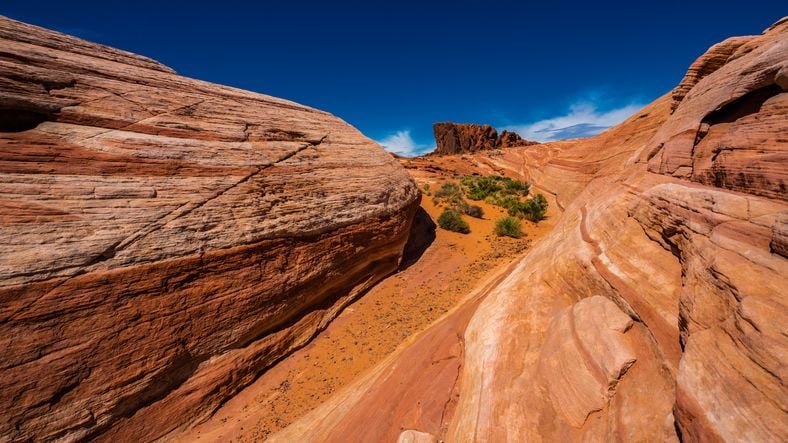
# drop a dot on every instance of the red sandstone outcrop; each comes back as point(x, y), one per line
point(164, 239)
point(457, 138)
point(654, 311)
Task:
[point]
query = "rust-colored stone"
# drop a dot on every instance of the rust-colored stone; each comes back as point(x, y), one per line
point(164, 240)
point(457, 138)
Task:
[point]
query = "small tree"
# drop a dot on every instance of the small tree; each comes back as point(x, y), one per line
point(508, 226)
point(451, 220)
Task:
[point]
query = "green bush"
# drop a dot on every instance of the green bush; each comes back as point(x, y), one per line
point(493, 186)
point(508, 226)
point(516, 187)
point(451, 220)
point(533, 209)
point(426, 187)
point(541, 200)
point(451, 195)
point(476, 194)
point(505, 202)
point(474, 211)
point(447, 190)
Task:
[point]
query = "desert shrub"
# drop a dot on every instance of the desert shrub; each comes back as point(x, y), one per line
point(426, 187)
point(467, 181)
point(505, 202)
point(450, 194)
point(447, 189)
point(476, 194)
point(508, 226)
point(540, 200)
point(451, 220)
point(533, 209)
point(489, 184)
point(474, 211)
point(515, 187)
point(493, 186)
point(479, 188)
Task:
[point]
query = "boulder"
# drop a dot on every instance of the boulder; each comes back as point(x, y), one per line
point(164, 240)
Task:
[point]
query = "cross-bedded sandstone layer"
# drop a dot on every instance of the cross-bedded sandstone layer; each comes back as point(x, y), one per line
point(163, 240)
point(656, 308)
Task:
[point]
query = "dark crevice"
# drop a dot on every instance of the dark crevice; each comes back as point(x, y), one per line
point(667, 237)
point(18, 120)
point(677, 427)
point(422, 234)
point(62, 391)
point(747, 104)
point(54, 85)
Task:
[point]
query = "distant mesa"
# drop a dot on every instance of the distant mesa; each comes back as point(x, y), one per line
point(457, 138)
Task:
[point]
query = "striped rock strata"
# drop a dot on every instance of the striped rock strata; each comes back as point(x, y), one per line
point(163, 240)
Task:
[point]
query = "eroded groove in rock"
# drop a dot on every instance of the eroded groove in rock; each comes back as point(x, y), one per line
point(164, 240)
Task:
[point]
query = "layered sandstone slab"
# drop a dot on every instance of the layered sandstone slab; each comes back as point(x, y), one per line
point(457, 138)
point(678, 237)
point(656, 308)
point(164, 239)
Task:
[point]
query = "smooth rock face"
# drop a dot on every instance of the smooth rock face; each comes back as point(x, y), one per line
point(656, 308)
point(704, 140)
point(456, 138)
point(683, 233)
point(709, 62)
point(164, 239)
point(411, 436)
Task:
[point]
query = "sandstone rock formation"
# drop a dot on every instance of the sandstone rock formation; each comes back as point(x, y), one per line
point(654, 311)
point(164, 239)
point(457, 138)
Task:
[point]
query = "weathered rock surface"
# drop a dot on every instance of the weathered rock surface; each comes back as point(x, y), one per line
point(164, 239)
point(655, 310)
point(456, 138)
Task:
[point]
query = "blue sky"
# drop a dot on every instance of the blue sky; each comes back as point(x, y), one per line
point(549, 70)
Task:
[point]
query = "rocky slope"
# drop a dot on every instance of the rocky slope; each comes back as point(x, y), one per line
point(457, 138)
point(654, 311)
point(164, 240)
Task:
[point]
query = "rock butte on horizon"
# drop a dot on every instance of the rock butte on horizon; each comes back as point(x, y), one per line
point(165, 240)
point(457, 138)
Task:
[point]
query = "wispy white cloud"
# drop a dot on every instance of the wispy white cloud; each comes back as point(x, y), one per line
point(402, 143)
point(583, 119)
